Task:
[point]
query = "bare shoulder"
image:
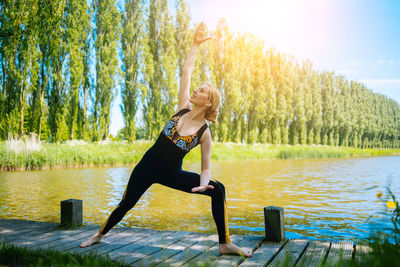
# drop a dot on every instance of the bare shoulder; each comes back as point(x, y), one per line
point(183, 106)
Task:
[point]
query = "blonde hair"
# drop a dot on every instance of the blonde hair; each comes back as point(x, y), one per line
point(215, 99)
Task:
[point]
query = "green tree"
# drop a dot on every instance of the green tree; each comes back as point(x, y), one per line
point(108, 29)
point(159, 86)
point(131, 41)
point(215, 59)
point(56, 91)
point(183, 35)
point(77, 25)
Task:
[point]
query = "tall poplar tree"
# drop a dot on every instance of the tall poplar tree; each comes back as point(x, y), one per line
point(183, 35)
point(217, 76)
point(159, 86)
point(77, 33)
point(108, 29)
point(131, 42)
point(45, 24)
point(56, 91)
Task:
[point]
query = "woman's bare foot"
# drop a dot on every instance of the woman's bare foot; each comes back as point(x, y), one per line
point(93, 240)
point(232, 249)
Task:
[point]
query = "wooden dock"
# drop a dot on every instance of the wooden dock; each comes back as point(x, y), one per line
point(147, 247)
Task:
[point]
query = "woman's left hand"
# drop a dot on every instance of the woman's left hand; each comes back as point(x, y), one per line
point(200, 34)
point(202, 188)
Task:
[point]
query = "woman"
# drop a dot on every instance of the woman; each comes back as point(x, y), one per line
point(162, 163)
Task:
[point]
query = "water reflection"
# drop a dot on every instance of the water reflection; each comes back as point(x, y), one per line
point(323, 198)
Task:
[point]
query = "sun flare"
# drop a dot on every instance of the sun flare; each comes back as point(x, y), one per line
point(299, 28)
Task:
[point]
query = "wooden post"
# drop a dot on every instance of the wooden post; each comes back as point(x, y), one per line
point(71, 212)
point(274, 224)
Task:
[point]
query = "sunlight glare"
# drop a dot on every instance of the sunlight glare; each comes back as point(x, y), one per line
point(297, 27)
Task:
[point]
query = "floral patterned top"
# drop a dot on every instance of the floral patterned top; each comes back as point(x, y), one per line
point(188, 142)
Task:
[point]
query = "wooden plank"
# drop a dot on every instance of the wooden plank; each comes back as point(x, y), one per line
point(249, 243)
point(171, 250)
point(130, 249)
point(55, 235)
point(151, 248)
point(340, 250)
point(7, 228)
point(264, 254)
point(315, 253)
point(140, 246)
point(9, 224)
point(122, 239)
point(41, 237)
point(65, 237)
point(290, 253)
point(19, 222)
point(9, 231)
point(13, 230)
point(192, 251)
point(114, 232)
point(71, 241)
point(16, 223)
point(25, 238)
point(211, 254)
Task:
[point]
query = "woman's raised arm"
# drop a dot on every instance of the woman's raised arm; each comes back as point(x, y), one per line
point(188, 67)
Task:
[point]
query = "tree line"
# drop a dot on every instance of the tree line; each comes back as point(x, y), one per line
point(61, 62)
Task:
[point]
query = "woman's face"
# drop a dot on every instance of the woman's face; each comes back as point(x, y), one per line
point(201, 95)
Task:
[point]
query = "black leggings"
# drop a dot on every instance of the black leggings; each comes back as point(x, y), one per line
point(148, 172)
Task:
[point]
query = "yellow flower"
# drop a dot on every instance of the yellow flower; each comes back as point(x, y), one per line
point(379, 194)
point(391, 204)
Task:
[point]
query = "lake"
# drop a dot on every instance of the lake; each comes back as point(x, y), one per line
point(322, 198)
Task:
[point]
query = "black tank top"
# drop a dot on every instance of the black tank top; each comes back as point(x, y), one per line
point(170, 148)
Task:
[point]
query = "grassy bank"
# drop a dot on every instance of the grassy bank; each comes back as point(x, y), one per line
point(11, 255)
point(80, 154)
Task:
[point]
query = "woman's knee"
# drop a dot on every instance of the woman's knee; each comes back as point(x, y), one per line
point(219, 187)
point(124, 205)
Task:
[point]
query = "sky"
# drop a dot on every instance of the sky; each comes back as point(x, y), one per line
point(359, 39)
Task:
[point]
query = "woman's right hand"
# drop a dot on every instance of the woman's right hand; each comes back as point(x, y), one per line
point(202, 188)
point(200, 34)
